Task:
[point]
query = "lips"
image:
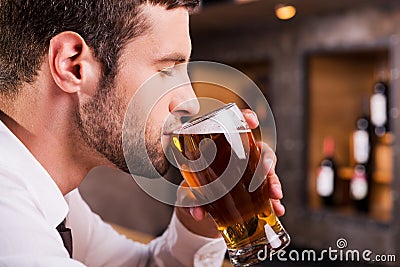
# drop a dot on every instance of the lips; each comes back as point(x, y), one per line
point(167, 133)
point(171, 130)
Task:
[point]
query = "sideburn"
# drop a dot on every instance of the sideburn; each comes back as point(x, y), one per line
point(100, 124)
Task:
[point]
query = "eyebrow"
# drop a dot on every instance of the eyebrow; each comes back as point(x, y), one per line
point(175, 57)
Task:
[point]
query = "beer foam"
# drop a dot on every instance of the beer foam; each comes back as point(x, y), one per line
point(208, 128)
point(223, 120)
point(214, 126)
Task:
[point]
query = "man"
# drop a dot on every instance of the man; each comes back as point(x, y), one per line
point(68, 69)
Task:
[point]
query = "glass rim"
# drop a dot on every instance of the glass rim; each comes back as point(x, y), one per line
point(197, 120)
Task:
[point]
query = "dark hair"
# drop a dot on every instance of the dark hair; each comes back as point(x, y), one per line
point(27, 26)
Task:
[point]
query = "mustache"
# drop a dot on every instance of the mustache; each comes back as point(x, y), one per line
point(172, 123)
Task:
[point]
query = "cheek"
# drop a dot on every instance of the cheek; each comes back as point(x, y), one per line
point(160, 110)
point(141, 97)
point(130, 79)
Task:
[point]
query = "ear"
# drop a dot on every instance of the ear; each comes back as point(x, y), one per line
point(72, 64)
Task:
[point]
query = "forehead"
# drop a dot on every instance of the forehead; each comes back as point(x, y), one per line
point(168, 31)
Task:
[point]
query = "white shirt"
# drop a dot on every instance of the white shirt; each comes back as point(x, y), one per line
point(31, 206)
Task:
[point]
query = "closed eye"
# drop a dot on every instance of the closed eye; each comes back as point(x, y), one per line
point(168, 70)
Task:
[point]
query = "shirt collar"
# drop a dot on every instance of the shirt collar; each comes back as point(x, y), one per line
point(19, 160)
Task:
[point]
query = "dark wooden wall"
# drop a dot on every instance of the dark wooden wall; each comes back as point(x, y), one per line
point(284, 47)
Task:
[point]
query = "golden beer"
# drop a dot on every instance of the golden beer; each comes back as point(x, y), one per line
point(245, 219)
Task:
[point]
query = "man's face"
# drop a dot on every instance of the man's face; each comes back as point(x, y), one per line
point(165, 44)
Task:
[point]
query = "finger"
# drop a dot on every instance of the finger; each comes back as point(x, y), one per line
point(263, 171)
point(275, 187)
point(268, 158)
point(278, 207)
point(197, 213)
point(201, 223)
point(269, 164)
point(251, 118)
point(186, 198)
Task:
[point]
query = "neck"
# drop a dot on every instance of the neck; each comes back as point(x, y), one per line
point(50, 133)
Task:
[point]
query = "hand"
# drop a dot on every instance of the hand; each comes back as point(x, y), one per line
point(200, 222)
point(275, 188)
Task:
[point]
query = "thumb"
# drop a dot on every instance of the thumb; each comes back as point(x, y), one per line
point(185, 197)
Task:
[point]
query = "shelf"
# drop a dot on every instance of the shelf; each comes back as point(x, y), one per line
point(381, 177)
point(337, 84)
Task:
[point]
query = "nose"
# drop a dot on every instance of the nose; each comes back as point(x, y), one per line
point(184, 101)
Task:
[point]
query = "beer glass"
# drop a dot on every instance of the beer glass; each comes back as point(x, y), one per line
point(219, 159)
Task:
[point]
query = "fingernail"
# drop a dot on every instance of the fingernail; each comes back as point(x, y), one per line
point(191, 210)
point(250, 113)
point(253, 115)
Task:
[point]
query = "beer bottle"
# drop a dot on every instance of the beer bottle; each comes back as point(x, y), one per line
point(362, 173)
point(379, 104)
point(327, 173)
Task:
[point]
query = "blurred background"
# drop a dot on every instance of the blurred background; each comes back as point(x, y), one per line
point(330, 72)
